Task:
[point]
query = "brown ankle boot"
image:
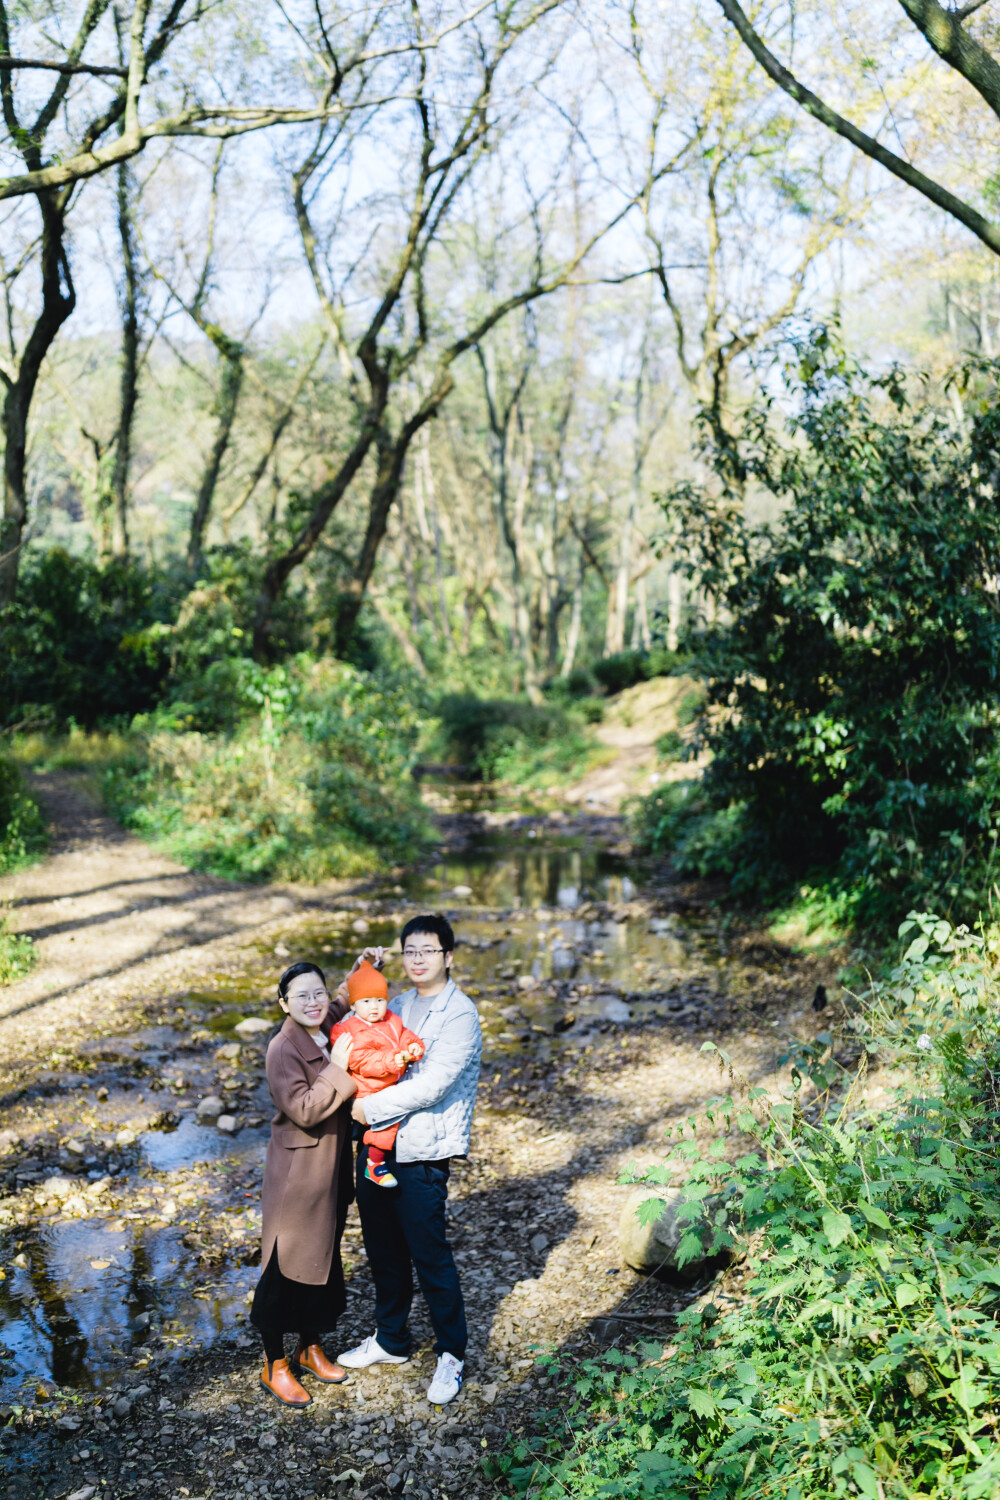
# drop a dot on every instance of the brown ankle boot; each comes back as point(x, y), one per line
point(279, 1380)
point(313, 1359)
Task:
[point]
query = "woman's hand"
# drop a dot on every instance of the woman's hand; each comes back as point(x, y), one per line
point(340, 1051)
point(375, 956)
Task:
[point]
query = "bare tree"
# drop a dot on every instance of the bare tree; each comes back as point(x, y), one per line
point(60, 138)
point(381, 370)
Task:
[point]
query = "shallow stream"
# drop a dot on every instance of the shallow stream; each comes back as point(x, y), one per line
point(133, 1230)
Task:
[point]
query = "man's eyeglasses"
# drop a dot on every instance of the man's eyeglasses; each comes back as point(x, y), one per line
point(412, 953)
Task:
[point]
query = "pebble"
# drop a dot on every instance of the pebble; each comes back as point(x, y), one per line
point(85, 1493)
point(461, 890)
point(526, 981)
point(122, 1407)
point(360, 925)
point(228, 1124)
point(539, 1242)
point(251, 1024)
point(125, 1138)
point(210, 1108)
point(75, 1147)
point(228, 1053)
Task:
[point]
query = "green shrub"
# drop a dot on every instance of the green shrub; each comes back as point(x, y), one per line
point(621, 670)
point(577, 684)
point(862, 1356)
point(17, 954)
point(853, 660)
point(80, 642)
point(314, 781)
point(22, 827)
point(669, 746)
point(690, 706)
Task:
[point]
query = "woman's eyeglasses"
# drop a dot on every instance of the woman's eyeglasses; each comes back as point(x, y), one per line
point(412, 953)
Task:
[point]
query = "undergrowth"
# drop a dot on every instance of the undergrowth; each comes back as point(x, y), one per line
point(854, 1348)
point(17, 953)
point(22, 827)
point(310, 778)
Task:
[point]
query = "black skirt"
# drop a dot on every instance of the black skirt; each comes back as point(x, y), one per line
point(283, 1306)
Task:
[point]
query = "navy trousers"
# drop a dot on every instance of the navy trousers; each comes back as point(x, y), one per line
point(404, 1229)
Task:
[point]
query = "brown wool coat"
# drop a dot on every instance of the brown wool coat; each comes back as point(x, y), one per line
point(302, 1172)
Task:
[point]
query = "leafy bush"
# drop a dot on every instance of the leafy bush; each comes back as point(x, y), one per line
point(621, 670)
point(22, 827)
point(83, 642)
point(669, 746)
point(854, 656)
point(862, 1356)
point(17, 954)
point(512, 739)
point(314, 781)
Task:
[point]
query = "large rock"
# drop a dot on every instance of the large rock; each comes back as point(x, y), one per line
point(251, 1025)
point(652, 1248)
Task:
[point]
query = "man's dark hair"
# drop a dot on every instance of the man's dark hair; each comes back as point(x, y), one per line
point(435, 926)
point(293, 972)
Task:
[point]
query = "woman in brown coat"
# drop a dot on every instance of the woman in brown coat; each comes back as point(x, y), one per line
point(301, 1289)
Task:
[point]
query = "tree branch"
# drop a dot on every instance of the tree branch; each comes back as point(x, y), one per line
point(198, 121)
point(979, 225)
point(944, 32)
point(7, 64)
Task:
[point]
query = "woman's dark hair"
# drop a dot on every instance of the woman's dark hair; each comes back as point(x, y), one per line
point(293, 972)
point(433, 924)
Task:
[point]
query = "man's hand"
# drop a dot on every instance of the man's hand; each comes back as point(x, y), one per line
point(358, 1112)
point(375, 956)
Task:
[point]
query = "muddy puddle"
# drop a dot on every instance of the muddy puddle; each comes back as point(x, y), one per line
point(129, 1226)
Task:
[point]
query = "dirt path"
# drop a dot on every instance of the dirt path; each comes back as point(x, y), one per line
point(113, 922)
point(128, 1230)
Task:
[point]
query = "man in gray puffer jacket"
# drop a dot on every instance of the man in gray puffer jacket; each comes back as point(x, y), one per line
point(404, 1227)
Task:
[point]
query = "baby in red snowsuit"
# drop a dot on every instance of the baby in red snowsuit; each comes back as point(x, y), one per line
point(383, 1048)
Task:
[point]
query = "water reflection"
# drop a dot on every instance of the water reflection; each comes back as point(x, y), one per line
point(71, 1305)
point(560, 875)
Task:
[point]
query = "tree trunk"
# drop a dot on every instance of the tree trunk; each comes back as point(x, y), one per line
point(57, 304)
point(575, 622)
point(130, 367)
point(228, 400)
point(641, 637)
point(674, 605)
point(388, 478)
point(614, 637)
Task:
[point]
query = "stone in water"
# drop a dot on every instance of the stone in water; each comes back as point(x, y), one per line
point(210, 1108)
point(227, 1123)
point(251, 1024)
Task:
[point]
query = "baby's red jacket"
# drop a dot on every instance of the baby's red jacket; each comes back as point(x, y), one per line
point(375, 1046)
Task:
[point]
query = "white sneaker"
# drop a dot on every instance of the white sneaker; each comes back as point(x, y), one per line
point(447, 1380)
point(370, 1352)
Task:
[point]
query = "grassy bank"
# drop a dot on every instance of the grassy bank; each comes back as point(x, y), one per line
point(855, 1349)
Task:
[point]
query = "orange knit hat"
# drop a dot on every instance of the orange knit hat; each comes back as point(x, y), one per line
point(366, 983)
